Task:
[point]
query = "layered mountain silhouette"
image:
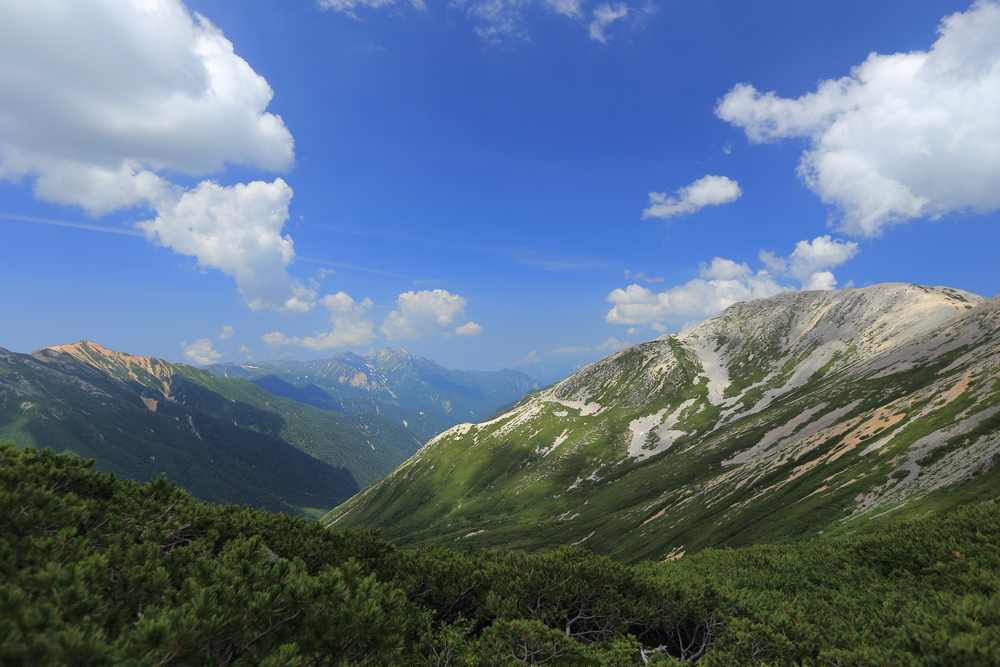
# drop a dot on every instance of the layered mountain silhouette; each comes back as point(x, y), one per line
point(422, 395)
point(779, 419)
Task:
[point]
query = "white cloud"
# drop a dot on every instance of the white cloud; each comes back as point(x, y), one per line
point(605, 15)
point(707, 191)
point(569, 8)
point(237, 230)
point(423, 312)
point(102, 98)
point(904, 136)
point(351, 327)
point(469, 329)
point(200, 352)
point(690, 302)
point(724, 282)
point(227, 332)
point(100, 95)
point(813, 257)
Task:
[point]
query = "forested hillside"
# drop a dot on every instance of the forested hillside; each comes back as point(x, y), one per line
point(224, 440)
point(99, 571)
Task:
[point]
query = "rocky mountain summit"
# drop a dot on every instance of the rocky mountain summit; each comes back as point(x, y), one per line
point(776, 420)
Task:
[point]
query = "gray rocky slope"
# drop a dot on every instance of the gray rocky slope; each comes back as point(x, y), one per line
point(777, 419)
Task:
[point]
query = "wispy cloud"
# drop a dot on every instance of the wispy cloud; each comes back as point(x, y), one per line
point(539, 258)
point(125, 231)
point(604, 15)
point(500, 21)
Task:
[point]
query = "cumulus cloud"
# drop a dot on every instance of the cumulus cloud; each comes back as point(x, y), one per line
point(102, 99)
point(691, 302)
point(200, 352)
point(227, 332)
point(351, 326)
point(903, 136)
point(724, 282)
point(237, 230)
point(421, 313)
point(707, 191)
point(100, 95)
point(469, 329)
point(810, 260)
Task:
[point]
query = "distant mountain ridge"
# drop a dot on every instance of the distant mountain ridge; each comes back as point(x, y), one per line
point(421, 394)
point(224, 440)
point(777, 419)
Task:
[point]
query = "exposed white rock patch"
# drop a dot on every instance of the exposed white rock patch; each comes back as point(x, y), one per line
point(584, 408)
point(640, 429)
point(593, 477)
point(558, 441)
point(643, 428)
point(714, 365)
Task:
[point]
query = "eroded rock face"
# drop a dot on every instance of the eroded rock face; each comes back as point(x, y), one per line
point(775, 419)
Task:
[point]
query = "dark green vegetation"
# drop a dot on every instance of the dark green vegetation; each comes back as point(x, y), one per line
point(224, 440)
point(771, 422)
point(422, 395)
point(97, 571)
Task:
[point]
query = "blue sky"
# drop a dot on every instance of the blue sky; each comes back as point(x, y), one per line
point(529, 184)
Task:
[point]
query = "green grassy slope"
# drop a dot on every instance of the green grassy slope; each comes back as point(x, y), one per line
point(828, 414)
point(225, 440)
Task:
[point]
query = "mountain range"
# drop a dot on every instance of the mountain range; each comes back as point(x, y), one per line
point(418, 393)
point(224, 440)
point(780, 419)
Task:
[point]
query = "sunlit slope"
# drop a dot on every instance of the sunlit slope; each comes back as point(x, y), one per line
point(774, 420)
point(224, 440)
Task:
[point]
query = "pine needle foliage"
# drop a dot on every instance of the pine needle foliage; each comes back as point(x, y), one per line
point(95, 570)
